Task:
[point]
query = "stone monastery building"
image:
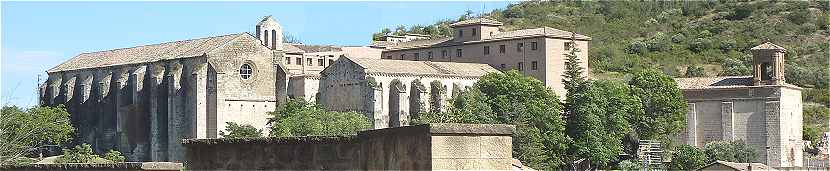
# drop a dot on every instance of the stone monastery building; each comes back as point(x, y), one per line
point(143, 100)
point(761, 110)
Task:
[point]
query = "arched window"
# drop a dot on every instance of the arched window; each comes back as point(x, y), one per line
point(245, 71)
point(274, 39)
point(265, 40)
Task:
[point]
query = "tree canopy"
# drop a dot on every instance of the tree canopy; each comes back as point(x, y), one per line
point(233, 130)
point(664, 106)
point(300, 118)
point(22, 130)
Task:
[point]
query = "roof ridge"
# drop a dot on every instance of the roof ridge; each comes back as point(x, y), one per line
point(110, 50)
point(223, 44)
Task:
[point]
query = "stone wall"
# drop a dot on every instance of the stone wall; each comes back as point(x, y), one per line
point(128, 166)
point(421, 147)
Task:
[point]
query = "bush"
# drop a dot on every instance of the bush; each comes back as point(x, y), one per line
point(732, 151)
point(233, 130)
point(686, 157)
point(79, 154)
point(695, 71)
point(629, 165)
point(114, 156)
point(300, 118)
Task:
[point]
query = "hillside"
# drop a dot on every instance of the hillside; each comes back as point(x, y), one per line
point(709, 37)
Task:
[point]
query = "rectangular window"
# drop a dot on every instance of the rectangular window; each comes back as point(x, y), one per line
point(533, 65)
point(299, 61)
point(308, 60)
point(534, 46)
point(287, 60)
point(458, 53)
point(402, 56)
point(460, 33)
point(429, 55)
point(568, 45)
point(331, 61)
point(443, 53)
point(417, 56)
point(486, 50)
point(388, 57)
point(320, 62)
point(501, 49)
point(520, 66)
point(474, 32)
point(519, 47)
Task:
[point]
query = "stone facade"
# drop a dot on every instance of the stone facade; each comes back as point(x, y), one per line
point(185, 89)
point(538, 52)
point(390, 92)
point(422, 147)
point(761, 110)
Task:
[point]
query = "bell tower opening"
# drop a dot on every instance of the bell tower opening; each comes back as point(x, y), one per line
point(768, 64)
point(269, 33)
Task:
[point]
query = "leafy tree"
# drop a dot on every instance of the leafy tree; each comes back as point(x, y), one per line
point(114, 156)
point(815, 122)
point(83, 154)
point(511, 98)
point(233, 130)
point(599, 120)
point(695, 71)
point(300, 118)
point(740, 13)
point(734, 67)
point(79, 154)
point(686, 157)
point(733, 151)
point(23, 130)
point(629, 165)
point(574, 77)
point(663, 103)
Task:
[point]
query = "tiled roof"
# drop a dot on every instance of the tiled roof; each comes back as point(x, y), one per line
point(290, 48)
point(146, 53)
point(314, 48)
point(768, 45)
point(447, 41)
point(477, 21)
point(714, 82)
point(389, 66)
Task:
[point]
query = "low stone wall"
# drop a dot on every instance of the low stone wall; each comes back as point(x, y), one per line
point(127, 166)
point(421, 147)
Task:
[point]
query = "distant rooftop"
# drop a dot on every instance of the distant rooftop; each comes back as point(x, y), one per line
point(388, 66)
point(534, 32)
point(476, 21)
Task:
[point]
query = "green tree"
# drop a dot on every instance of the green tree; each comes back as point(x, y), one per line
point(233, 130)
point(574, 77)
point(599, 120)
point(629, 165)
point(22, 130)
point(734, 67)
point(511, 98)
point(733, 151)
point(695, 71)
point(114, 156)
point(300, 118)
point(79, 154)
point(663, 103)
point(686, 157)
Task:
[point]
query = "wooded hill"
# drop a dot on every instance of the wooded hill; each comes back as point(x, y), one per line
point(684, 38)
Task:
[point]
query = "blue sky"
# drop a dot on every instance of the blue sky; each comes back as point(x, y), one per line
point(39, 35)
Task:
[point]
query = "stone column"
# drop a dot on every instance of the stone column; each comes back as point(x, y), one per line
point(199, 77)
point(691, 125)
point(727, 120)
point(774, 139)
point(174, 111)
point(157, 144)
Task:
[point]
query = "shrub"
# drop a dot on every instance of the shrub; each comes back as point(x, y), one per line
point(686, 157)
point(300, 118)
point(233, 130)
point(733, 151)
point(695, 71)
point(114, 156)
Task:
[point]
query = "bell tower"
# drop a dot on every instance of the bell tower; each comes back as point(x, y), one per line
point(269, 33)
point(768, 64)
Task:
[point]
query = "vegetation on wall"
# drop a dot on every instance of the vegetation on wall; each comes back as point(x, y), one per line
point(300, 118)
point(234, 130)
point(83, 154)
